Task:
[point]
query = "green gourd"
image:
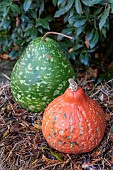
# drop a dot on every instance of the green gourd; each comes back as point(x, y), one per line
point(40, 74)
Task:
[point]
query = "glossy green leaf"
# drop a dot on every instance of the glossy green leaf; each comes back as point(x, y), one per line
point(110, 1)
point(6, 12)
point(60, 12)
point(27, 5)
point(69, 5)
point(25, 18)
point(14, 35)
point(90, 34)
point(74, 18)
point(79, 23)
point(103, 31)
point(55, 2)
point(94, 40)
point(43, 22)
point(90, 2)
point(41, 9)
point(104, 17)
point(19, 42)
point(98, 11)
point(15, 8)
point(93, 49)
point(84, 59)
point(32, 32)
point(33, 13)
point(6, 24)
point(63, 9)
point(78, 7)
point(60, 2)
point(77, 46)
point(68, 30)
point(40, 29)
point(5, 4)
point(79, 30)
point(13, 54)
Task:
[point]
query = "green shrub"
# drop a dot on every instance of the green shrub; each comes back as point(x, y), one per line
point(88, 21)
point(20, 23)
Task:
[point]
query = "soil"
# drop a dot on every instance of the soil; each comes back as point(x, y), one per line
point(22, 145)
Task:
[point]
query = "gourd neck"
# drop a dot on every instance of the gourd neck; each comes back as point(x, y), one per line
point(73, 86)
point(74, 93)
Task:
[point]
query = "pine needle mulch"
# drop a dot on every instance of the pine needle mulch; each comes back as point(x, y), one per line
point(23, 147)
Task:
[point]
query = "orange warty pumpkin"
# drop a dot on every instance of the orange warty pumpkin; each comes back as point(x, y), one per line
point(73, 122)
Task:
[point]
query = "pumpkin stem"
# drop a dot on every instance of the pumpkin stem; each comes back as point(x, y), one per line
point(56, 33)
point(72, 85)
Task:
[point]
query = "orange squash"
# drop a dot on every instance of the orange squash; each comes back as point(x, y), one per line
point(73, 122)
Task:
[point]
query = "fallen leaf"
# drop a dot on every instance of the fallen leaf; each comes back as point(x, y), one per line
point(65, 163)
point(17, 128)
point(107, 116)
point(24, 123)
point(17, 21)
point(9, 107)
point(35, 161)
point(87, 42)
point(36, 140)
point(88, 166)
point(38, 126)
point(101, 98)
point(92, 73)
point(96, 153)
point(6, 133)
point(5, 56)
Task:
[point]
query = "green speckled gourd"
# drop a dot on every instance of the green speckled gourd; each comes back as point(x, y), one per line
point(40, 74)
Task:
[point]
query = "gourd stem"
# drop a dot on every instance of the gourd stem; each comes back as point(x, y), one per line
point(56, 33)
point(73, 86)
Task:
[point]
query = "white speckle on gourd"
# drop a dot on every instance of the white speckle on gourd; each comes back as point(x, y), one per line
point(64, 65)
point(33, 98)
point(39, 58)
point(52, 59)
point(29, 67)
point(43, 68)
point(56, 92)
point(37, 68)
point(22, 81)
point(22, 63)
point(18, 96)
point(20, 73)
point(31, 107)
point(44, 98)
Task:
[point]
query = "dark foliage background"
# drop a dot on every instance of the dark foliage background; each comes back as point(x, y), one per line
point(89, 22)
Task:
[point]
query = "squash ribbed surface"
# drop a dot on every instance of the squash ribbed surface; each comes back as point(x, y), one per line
point(40, 74)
